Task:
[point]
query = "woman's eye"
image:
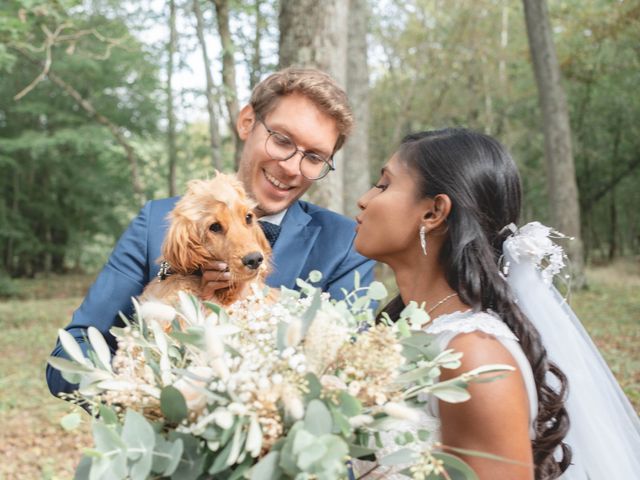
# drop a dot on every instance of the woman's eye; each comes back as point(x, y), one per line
point(215, 227)
point(380, 186)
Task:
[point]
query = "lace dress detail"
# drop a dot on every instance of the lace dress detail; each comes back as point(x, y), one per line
point(445, 328)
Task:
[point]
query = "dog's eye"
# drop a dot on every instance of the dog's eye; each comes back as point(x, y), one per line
point(249, 218)
point(215, 227)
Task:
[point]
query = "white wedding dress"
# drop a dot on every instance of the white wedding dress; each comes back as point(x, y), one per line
point(445, 328)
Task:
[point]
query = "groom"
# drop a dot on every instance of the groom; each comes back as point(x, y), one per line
point(296, 120)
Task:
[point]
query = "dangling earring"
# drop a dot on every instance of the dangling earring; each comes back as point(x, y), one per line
point(423, 239)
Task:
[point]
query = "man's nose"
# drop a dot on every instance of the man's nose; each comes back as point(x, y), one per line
point(291, 166)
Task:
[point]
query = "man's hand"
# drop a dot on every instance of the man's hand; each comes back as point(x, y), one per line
point(215, 276)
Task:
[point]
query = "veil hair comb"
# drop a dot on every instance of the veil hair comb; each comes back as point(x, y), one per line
point(604, 435)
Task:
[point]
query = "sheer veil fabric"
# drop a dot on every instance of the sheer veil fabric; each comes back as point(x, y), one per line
point(605, 430)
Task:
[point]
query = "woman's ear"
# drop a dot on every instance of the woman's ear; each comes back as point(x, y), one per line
point(245, 122)
point(437, 212)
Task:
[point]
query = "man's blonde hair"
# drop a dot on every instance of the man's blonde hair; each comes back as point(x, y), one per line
point(314, 84)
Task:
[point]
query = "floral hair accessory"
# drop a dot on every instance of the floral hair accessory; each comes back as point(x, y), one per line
point(534, 243)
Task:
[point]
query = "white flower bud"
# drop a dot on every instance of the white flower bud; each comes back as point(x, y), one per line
point(160, 312)
point(401, 411)
point(360, 420)
point(223, 418)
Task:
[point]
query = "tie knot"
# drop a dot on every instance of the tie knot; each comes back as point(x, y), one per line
point(271, 231)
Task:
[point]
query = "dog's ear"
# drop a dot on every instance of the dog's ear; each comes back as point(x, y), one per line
point(182, 246)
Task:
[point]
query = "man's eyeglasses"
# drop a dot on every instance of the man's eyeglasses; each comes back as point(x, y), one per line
point(280, 147)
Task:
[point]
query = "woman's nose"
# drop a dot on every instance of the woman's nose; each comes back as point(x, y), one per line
point(362, 201)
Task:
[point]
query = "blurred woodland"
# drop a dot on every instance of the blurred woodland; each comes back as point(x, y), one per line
point(106, 103)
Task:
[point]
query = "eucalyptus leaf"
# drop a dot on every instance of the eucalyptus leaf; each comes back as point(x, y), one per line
point(71, 421)
point(450, 393)
point(140, 439)
point(377, 291)
point(399, 457)
point(455, 467)
point(173, 404)
point(317, 419)
point(267, 468)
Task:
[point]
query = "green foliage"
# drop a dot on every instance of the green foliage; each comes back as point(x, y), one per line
point(65, 181)
point(469, 66)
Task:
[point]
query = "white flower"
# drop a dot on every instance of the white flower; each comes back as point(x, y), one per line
point(533, 243)
point(293, 404)
point(253, 444)
point(401, 411)
point(354, 388)
point(358, 421)
point(223, 418)
point(159, 312)
point(331, 382)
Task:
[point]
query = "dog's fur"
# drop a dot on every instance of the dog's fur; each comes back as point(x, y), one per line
point(213, 221)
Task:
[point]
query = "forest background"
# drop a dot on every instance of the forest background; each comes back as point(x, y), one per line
point(105, 104)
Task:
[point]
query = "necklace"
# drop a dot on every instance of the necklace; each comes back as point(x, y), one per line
point(441, 302)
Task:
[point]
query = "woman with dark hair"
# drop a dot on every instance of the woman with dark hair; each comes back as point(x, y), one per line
point(439, 216)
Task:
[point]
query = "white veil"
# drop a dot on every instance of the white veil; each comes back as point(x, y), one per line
point(605, 430)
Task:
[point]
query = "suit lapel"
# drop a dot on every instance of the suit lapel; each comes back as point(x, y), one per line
point(292, 249)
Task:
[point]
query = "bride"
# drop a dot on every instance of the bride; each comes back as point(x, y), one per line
point(443, 216)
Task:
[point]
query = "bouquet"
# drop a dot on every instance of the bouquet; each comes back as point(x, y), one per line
point(266, 389)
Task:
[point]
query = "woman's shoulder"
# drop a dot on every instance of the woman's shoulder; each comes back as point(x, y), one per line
point(487, 322)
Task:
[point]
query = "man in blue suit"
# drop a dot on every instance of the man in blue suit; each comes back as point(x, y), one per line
point(296, 120)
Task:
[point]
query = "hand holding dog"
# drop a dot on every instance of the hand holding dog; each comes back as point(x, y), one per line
point(215, 276)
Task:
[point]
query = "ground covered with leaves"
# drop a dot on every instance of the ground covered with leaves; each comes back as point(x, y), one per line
point(33, 445)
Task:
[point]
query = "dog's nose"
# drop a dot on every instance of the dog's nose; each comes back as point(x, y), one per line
point(252, 260)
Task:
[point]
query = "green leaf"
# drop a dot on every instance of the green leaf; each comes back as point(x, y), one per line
point(107, 415)
point(349, 405)
point(317, 419)
point(314, 387)
point(100, 346)
point(358, 451)
point(71, 421)
point(190, 466)
point(267, 468)
point(140, 439)
point(310, 314)
point(399, 457)
point(67, 366)
point(455, 467)
point(71, 346)
point(173, 404)
point(83, 469)
point(377, 291)
point(450, 393)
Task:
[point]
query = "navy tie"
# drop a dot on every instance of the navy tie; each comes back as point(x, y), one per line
point(271, 231)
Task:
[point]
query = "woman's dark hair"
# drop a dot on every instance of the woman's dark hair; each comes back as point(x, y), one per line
point(482, 181)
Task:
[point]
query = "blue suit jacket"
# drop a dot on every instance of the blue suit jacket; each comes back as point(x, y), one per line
point(311, 238)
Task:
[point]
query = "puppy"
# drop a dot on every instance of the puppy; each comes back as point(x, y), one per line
point(213, 221)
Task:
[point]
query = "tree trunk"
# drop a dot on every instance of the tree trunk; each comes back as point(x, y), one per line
point(214, 134)
point(229, 73)
point(356, 151)
point(563, 190)
point(314, 34)
point(171, 117)
point(255, 67)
